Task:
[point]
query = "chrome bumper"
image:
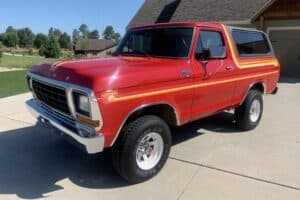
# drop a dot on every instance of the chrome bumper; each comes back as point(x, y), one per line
point(67, 127)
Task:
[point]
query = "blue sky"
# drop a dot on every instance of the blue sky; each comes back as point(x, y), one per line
point(40, 15)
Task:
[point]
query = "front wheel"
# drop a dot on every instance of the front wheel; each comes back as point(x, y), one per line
point(143, 149)
point(249, 114)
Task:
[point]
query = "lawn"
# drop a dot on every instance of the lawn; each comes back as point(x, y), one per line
point(13, 83)
point(22, 61)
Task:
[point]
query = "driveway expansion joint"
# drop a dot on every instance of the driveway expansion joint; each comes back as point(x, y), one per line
point(17, 120)
point(237, 174)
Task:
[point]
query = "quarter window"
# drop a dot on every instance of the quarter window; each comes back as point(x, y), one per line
point(251, 42)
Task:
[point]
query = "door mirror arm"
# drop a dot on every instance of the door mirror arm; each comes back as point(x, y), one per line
point(203, 58)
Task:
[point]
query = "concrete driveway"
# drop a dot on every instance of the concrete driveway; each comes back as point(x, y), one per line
point(210, 159)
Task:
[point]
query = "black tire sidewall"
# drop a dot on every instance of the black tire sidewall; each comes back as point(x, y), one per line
point(243, 112)
point(258, 97)
point(132, 170)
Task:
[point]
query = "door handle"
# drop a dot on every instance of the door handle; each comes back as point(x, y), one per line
point(186, 73)
point(229, 68)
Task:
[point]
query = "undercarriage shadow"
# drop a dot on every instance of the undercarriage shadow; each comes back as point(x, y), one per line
point(33, 159)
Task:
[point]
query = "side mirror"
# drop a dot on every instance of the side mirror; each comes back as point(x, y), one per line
point(211, 53)
point(203, 56)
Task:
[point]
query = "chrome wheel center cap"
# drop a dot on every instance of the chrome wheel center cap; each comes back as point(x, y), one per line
point(149, 151)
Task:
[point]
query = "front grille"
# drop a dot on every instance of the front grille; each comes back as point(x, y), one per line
point(52, 96)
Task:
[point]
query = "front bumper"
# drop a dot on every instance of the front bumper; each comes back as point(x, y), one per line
point(67, 127)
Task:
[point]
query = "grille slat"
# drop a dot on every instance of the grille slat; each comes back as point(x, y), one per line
point(52, 96)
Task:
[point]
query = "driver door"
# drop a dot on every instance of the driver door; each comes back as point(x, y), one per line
point(212, 92)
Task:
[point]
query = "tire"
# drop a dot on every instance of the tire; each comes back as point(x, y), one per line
point(249, 114)
point(135, 143)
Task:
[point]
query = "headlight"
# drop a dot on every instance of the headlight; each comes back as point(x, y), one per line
point(82, 103)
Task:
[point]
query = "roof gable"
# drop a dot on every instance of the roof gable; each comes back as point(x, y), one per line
point(156, 11)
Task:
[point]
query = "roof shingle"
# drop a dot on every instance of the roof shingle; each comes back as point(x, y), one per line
point(155, 11)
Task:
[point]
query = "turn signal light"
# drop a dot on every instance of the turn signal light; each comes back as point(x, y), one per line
point(88, 121)
point(109, 95)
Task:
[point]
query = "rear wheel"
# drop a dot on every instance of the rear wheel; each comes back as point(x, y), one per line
point(249, 114)
point(143, 148)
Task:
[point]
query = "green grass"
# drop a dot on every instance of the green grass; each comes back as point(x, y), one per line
point(13, 83)
point(25, 62)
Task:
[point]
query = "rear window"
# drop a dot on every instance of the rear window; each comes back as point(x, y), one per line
point(251, 43)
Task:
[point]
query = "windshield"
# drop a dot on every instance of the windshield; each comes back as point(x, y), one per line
point(157, 42)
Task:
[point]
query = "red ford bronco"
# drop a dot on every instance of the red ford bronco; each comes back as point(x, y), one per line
point(160, 76)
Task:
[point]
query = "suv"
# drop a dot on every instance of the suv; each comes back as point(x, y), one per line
point(160, 76)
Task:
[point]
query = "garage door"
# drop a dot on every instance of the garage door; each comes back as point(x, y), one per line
point(286, 44)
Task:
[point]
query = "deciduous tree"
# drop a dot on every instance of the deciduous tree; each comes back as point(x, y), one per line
point(75, 35)
point(65, 41)
point(84, 30)
point(26, 37)
point(110, 34)
point(11, 39)
point(94, 34)
point(40, 39)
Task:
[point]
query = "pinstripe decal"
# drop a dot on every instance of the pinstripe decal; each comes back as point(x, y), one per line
point(147, 94)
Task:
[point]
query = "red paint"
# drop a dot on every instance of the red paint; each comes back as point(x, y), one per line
point(131, 76)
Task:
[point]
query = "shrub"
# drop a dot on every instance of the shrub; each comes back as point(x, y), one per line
point(30, 52)
point(50, 49)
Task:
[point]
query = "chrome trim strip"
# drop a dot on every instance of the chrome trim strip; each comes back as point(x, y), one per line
point(69, 88)
point(92, 145)
point(142, 107)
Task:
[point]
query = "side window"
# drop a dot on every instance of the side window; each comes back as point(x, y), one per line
point(210, 40)
point(251, 43)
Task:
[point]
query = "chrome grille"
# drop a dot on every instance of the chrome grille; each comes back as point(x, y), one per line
point(52, 96)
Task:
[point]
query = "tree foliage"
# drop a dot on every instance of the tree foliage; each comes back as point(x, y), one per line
point(94, 34)
point(110, 34)
point(10, 29)
point(1, 51)
point(65, 41)
point(84, 44)
point(76, 35)
point(50, 49)
point(40, 39)
point(84, 30)
point(11, 39)
point(26, 37)
point(116, 37)
point(54, 32)
point(2, 36)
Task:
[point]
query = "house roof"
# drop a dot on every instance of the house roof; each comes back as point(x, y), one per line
point(94, 45)
point(156, 11)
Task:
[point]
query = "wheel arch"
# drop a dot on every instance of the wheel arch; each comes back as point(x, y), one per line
point(257, 85)
point(163, 110)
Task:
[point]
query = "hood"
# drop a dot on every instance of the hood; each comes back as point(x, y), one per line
point(111, 73)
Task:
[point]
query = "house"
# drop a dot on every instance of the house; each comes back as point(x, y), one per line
point(280, 19)
point(94, 47)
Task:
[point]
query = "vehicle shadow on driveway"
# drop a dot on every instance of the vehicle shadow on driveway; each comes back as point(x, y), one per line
point(33, 160)
point(223, 123)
